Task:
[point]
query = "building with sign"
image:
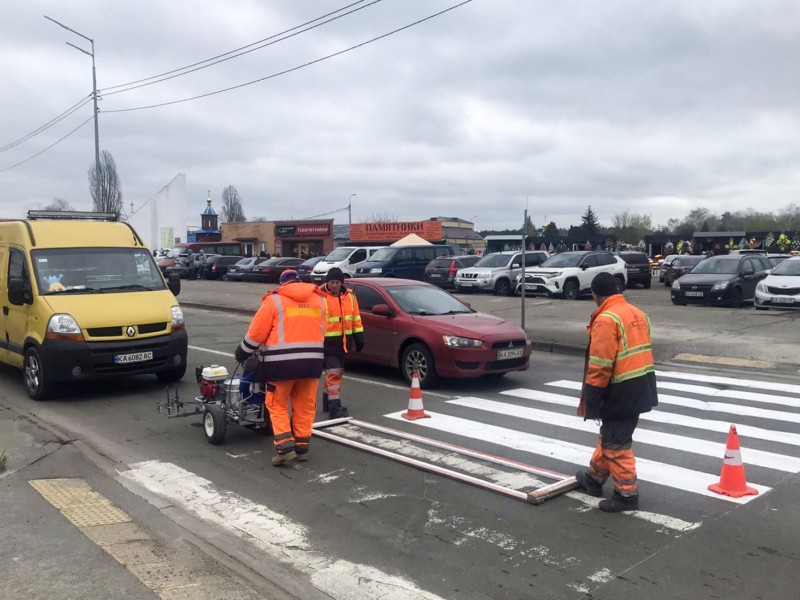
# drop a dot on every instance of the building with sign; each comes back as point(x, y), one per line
point(284, 238)
point(437, 230)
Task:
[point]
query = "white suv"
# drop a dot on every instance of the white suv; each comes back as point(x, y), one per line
point(570, 274)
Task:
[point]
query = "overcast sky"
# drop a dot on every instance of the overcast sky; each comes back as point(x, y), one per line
point(655, 107)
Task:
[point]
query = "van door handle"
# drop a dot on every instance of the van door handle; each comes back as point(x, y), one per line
point(5, 310)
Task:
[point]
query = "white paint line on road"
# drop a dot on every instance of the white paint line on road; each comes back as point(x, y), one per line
point(703, 390)
point(758, 458)
point(734, 409)
point(662, 416)
point(747, 383)
point(199, 349)
point(518, 480)
point(660, 473)
point(271, 532)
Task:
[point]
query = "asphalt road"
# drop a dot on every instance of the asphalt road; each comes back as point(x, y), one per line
point(350, 524)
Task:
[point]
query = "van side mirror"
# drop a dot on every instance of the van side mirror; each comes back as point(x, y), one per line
point(382, 310)
point(174, 283)
point(19, 292)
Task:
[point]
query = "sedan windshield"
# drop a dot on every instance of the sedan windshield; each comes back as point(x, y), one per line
point(787, 267)
point(426, 300)
point(93, 270)
point(719, 266)
point(491, 261)
point(565, 259)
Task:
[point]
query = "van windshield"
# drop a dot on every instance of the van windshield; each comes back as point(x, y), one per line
point(494, 260)
point(339, 254)
point(383, 254)
point(93, 270)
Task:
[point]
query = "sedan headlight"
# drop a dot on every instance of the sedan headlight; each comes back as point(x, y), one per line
point(718, 287)
point(461, 342)
point(377, 271)
point(761, 287)
point(676, 285)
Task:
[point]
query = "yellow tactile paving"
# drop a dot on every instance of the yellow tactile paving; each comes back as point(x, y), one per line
point(147, 559)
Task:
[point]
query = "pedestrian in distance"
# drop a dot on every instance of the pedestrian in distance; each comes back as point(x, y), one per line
point(343, 333)
point(619, 383)
point(287, 336)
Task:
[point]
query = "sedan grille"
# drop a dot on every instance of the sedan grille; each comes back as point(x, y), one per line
point(783, 291)
point(508, 344)
point(695, 288)
point(507, 364)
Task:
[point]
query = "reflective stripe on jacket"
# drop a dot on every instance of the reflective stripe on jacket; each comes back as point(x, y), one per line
point(619, 377)
point(343, 320)
point(288, 332)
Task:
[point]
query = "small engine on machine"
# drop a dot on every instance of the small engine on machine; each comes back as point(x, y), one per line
point(215, 386)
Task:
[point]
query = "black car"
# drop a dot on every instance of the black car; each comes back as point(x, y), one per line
point(680, 267)
point(638, 266)
point(238, 271)
point(305, 269)
point(722, 280)
point(442, 271)
point(270, 270)
point(215, 267)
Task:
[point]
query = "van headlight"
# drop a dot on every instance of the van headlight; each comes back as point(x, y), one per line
point(718, 287)
point(377, 271)
point(178, 323)
point(63, 327)
point(456, 341)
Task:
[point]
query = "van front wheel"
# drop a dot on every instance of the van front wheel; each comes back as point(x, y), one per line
point(37, 385)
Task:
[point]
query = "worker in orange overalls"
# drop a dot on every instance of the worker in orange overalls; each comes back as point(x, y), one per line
point(343, 333)
point(619, 384)
point(287, 334)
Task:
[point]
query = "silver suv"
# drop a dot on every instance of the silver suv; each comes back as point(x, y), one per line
point(570, 274)
point(497, 272)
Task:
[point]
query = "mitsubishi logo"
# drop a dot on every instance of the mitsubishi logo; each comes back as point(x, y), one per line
point(510, 344)
point(130, 331)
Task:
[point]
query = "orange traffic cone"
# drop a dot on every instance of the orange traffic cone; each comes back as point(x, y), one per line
point(731, 481)
point(415, 410)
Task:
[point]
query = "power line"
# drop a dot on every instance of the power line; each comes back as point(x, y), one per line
point(47, 125)
point(297, 68)
point(236, 53)
point(48, 148)
point(338, 210)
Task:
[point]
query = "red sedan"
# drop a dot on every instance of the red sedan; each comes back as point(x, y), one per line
point(412, 325)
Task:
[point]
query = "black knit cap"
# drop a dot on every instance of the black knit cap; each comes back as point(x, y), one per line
point(334, 273)
point(604, 284)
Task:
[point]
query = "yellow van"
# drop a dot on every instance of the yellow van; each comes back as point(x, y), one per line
point(84, 299)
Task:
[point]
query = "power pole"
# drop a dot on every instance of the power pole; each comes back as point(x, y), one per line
point(524, 248)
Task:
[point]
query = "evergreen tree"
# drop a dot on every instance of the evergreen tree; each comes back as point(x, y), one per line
point(589, 223)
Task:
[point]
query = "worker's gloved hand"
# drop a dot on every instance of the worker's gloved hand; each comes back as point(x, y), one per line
point(241, 355)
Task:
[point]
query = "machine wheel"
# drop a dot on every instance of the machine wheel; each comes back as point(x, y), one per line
point(418, 358)
point(214, 424)
point(173, 375)
point(502, 288)
point(736, 298)
point(571, 290)
point(37, 384)
point(620, 283)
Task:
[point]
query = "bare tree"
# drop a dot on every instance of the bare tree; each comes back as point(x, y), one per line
point(631, 227)
point(232, 211)
point(59, 204)
point(107, 184)
point(382, 217)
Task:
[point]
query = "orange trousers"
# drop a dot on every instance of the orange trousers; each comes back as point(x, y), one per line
point(292, 433)
point(613, 456)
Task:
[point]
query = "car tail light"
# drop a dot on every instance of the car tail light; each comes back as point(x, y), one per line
point(213, 267)
point(451, 272)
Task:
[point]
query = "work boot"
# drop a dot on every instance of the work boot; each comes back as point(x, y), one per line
point(302, 457)
point(589, 484)
point(326, 406)
point(337, 411)
point(283, 458)
point(619, 503)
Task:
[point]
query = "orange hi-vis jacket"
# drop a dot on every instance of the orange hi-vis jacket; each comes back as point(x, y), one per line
point(289, 329)
point(343, 328)
point(619, 377)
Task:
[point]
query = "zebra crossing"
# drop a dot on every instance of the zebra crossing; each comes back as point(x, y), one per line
point(696, 409)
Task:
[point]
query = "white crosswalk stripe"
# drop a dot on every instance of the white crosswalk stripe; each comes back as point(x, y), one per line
point(772, 420)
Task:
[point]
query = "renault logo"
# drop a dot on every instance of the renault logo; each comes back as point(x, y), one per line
point(130, 331)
